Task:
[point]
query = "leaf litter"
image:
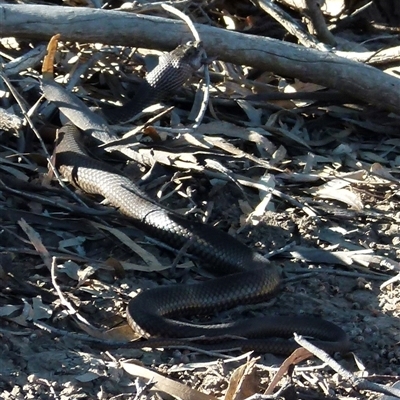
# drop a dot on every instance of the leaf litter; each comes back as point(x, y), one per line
point(315, 183)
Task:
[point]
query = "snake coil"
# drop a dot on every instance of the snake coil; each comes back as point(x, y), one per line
point(251, 278)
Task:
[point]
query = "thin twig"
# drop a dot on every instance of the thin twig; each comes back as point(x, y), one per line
point(71, 311)
point(357, 383)
point(289, 24)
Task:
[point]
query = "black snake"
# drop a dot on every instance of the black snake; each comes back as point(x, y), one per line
point(250, 277)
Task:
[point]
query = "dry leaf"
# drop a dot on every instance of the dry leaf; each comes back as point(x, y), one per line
point(151, 261)
point(166, 385)
point(244, 382)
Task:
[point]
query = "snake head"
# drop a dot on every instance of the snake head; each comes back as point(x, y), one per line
point(191, 53)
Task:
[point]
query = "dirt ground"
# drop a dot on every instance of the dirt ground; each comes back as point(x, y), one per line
point(40, 364)
point(314, 186)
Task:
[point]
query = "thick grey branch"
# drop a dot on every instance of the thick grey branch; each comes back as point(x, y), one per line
point(112, 27)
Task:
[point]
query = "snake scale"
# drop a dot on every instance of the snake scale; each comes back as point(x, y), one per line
point(249, 277)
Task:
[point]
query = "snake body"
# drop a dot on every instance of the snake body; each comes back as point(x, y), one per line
point(250, 277)
point(172, 71)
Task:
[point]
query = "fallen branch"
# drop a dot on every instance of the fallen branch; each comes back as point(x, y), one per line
point(286, 59)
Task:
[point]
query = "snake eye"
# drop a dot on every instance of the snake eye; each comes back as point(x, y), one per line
point(194, 44)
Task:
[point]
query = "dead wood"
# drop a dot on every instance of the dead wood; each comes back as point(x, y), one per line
point(117, 28)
